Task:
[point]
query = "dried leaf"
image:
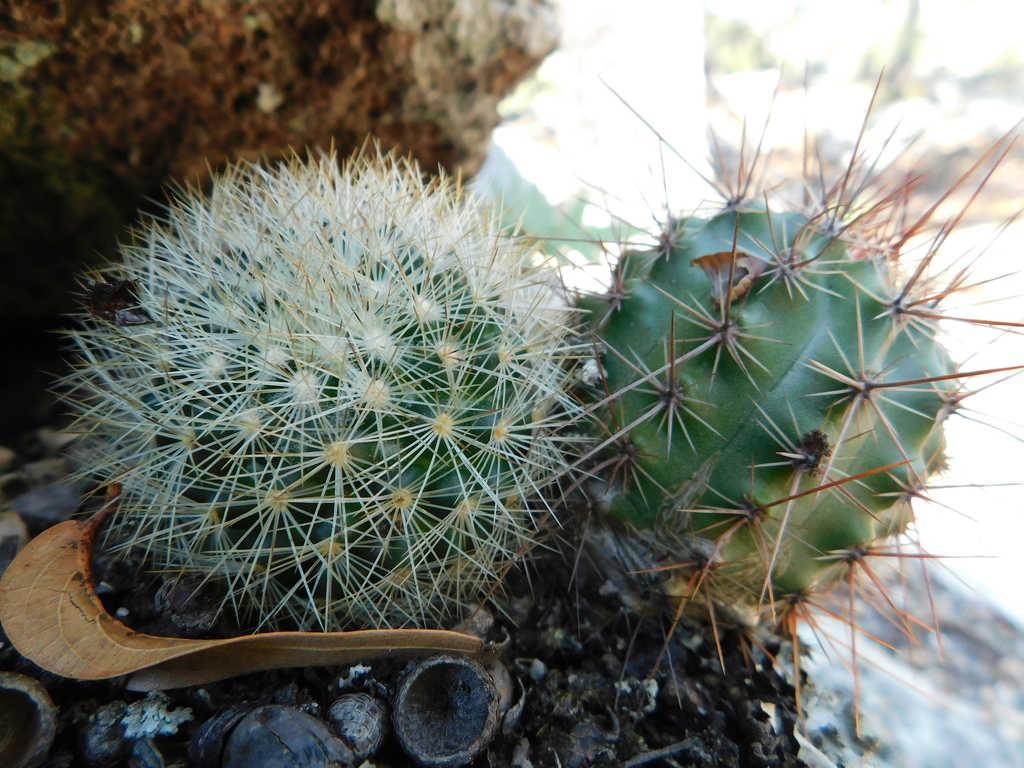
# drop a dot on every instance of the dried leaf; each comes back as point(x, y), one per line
point(52, 615)
point(731, 273)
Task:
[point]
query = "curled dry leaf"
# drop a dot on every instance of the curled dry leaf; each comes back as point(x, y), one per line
point(51, 614)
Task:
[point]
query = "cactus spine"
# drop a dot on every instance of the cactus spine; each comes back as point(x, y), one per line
point(772, 391)
point(338, 390)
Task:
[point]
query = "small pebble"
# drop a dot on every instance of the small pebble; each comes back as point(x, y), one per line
point(503, 684)
point(639, 698)
point(13, 537)
point(45, 471)
point(479, 621)
point(268, 97)
point(612, 665)
point(12, 485)
point(45, 441)
point(294, 695)
point(514, 716)
point(275, 736)
point(361, 721)
point(190, 602)
point(521, 754)
point(43, 507)
point(535, 668)
point(8, 458)
point(590, 745)
point(11, 525)
point(207, 743)
point(354, 673)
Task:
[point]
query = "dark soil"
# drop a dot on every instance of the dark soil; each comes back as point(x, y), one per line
point(592, 683)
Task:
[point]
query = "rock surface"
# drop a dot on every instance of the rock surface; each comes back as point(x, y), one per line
point(103, 103)
point(937, 701)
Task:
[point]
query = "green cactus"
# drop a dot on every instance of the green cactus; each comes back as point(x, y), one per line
point(338, 390)
point(771, 391)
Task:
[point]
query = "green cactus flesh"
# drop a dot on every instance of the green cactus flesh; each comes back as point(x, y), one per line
point(751, 359)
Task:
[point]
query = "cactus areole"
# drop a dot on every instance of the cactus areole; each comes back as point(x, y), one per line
point(752, 358)
point(339, 390)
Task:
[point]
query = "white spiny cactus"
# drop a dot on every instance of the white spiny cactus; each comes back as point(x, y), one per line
point(341, 390)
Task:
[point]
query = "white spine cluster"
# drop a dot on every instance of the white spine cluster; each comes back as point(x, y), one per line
point(347, 402)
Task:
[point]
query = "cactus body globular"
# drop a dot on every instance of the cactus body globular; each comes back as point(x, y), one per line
point(753, 357)
point(337, 390)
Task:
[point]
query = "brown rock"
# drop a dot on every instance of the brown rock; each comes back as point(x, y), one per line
point(103, 102)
